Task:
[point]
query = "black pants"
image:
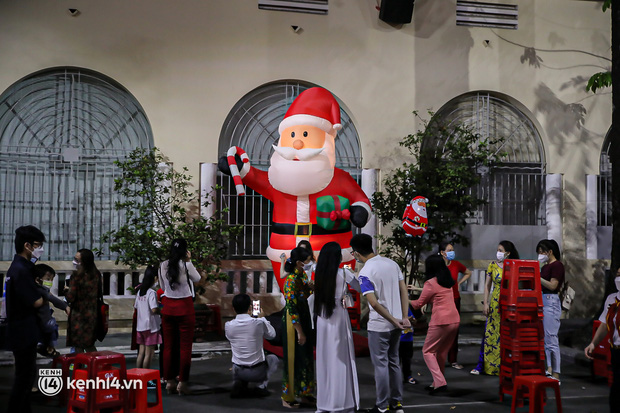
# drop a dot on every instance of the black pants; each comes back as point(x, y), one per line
point(614, 391)
point(25, 375)
point(405, 353)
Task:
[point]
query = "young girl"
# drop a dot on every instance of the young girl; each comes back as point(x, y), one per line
point(149, 321)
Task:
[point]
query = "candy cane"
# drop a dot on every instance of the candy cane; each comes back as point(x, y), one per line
point(234, 171)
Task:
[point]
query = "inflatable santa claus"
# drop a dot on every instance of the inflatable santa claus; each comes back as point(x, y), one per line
point(312, 199)
point(415, 220)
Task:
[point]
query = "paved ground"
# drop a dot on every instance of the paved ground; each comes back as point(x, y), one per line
point(210, 379)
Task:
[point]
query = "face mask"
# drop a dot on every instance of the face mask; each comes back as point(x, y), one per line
point(500, 256)
point(543, 258)
point(308, 267)
point(36, 254)
point(48, 284)
point(75, 264)
point(450, 255)
point(617, 281)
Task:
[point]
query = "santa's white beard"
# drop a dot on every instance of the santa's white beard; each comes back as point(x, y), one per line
point(302, 177)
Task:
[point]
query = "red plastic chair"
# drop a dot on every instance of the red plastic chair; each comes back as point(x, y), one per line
point(536, 386)
point(99, 365)
point(138, 396)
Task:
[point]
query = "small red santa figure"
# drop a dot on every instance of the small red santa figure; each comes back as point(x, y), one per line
point(415, 220)
point(313, 200)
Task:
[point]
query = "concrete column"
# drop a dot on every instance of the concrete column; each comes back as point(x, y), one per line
point(208, 180)
point(127, 283)
point(113, 283)
point(591, 217)
point(554, 207)
point(370, 179)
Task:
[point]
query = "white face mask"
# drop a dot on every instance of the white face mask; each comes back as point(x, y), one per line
point(617, 281)
point(308, 266)
point(543, 258)
point(75, 264)
point(500, 256)
point(36, 254)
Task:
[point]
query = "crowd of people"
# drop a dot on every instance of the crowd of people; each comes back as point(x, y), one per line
point(315, 316)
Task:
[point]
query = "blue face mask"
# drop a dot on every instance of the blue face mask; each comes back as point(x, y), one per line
point(450, 255)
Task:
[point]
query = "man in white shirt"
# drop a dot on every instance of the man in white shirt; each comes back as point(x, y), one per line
point(383, 285)
point(246, 335)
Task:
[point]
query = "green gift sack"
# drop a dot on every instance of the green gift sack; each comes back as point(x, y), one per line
point(333, 212)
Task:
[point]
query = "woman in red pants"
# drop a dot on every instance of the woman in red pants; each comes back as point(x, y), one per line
point(444, 321)
point(177, 275)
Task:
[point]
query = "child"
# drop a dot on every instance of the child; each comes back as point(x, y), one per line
point(405, 351)
point(44, 277)
point(149, 321)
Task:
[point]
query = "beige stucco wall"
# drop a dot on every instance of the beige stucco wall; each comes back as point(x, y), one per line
point(188, 62)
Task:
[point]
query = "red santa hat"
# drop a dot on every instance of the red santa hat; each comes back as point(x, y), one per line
point(315, 107)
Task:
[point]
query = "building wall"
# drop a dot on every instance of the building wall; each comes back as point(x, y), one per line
point(188, 62)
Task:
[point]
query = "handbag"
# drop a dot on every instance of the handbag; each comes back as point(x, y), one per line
point(347, 299)
point(103, 316)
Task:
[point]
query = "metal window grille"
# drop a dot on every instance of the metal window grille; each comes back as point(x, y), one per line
point(514, 190)
point(60, 132)
point(252, 124)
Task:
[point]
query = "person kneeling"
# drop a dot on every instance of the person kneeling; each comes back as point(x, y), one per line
point(250, 365)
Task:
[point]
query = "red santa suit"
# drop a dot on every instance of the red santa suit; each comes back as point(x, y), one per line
point(295, 217)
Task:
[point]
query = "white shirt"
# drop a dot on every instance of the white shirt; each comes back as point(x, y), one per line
point(611, 298)
point(146, 320)
point(182, 289)
point(382, 277)
point(246, 335)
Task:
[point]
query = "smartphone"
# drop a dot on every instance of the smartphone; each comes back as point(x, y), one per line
point(255, 308)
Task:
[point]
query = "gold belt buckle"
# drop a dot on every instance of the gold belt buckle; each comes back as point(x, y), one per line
point(303, 229)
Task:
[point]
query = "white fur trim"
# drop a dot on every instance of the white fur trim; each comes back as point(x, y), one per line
point(310, 120)
point(245, 169)
point(366, 207)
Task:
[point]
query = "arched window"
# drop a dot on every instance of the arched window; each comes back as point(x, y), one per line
point(252, 124)
point(514, 189)
point(60, 132)
point(604, 185)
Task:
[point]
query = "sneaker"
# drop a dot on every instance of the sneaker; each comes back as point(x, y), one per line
point(555, 378)
point(376, 409)
point(411, 380)
point(396, 407)
point(475, 372)
point(457, 366)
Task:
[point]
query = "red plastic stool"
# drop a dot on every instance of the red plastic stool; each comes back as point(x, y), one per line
point(536, 386)
point(98, 369)
point(138, 395)
point(66, 363)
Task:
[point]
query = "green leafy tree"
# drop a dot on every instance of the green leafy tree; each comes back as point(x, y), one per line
point(159, 206)
point(445, 175)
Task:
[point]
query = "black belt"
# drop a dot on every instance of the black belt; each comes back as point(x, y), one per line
point(305, 229)
point(253, 366)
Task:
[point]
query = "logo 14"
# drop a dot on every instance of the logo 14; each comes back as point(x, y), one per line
point(50, 381)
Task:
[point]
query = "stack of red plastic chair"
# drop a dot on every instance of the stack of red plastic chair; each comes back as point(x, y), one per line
point(96, 369)
point(601, 365)
point(65, 362)
point(522, 346)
